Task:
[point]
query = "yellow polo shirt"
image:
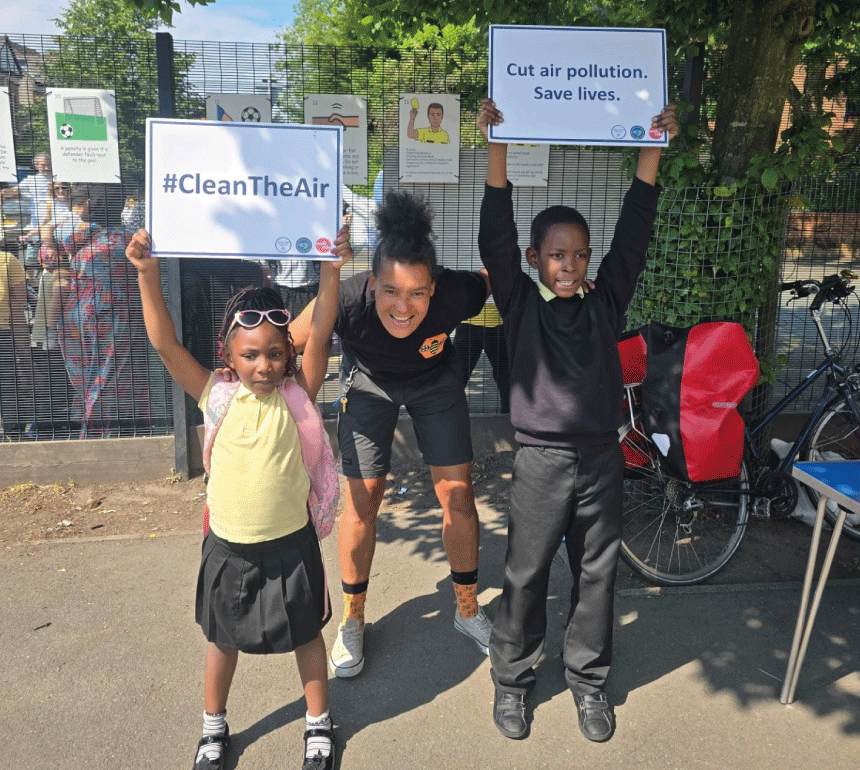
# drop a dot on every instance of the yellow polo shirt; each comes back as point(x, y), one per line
point(548, 294)
point(11, 274)
point(429, 136)
point(258, 486)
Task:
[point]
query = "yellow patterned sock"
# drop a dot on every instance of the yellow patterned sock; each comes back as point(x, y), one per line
point(467, 599)
point(353, 604)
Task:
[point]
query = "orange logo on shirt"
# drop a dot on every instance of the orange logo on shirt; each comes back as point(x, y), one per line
point(432, 346)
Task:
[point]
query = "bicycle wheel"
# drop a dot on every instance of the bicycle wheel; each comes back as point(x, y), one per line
point(836, 436)
point(676, 533)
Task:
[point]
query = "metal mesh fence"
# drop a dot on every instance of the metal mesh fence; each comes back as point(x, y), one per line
point(47, 400)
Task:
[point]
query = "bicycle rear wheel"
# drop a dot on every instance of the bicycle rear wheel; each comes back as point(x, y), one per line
point(836, 436)
point(676, 533)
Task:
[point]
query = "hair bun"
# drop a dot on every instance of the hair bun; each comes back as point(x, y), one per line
point(404, 217)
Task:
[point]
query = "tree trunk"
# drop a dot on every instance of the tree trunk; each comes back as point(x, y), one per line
point(756, 77)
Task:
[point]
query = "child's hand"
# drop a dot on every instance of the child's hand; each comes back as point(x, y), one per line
point(489, 116)
point(587, 285)
point(666, 121)
point(138, 254)
point(227, 373)
point(342, 248)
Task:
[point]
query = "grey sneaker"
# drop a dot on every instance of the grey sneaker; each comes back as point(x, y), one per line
point(477, 629)
point(347, 654)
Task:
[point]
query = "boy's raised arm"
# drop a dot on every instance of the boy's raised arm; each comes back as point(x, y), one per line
point(649, 157)
point(497, 152)
point(323, 315)
point(191, 376)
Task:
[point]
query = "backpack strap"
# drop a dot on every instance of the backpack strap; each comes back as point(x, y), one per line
point(220, 397)
point(317, 456)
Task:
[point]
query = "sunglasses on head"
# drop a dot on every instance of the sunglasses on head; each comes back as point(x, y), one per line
point(251, 318)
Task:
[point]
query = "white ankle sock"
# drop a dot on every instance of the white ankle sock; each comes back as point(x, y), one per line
point(318, 743)
point(213, 724)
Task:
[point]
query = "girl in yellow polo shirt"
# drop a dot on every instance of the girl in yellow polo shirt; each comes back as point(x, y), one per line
point(261, 587)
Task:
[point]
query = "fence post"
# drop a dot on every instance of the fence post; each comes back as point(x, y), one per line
point(167, 109)
point(694, 76)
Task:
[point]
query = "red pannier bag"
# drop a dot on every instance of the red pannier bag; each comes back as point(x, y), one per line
point(631, 351)
point(696, 377)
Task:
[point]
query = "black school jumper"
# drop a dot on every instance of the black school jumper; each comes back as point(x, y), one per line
point(566, 398)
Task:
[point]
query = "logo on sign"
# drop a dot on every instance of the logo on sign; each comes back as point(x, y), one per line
point(655, 133)
point(303, 245)
point(323, 245)
point(283, 245)
point(618, 132)
point(637, 132)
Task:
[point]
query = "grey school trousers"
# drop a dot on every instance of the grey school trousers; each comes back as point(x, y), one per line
point(575, 494)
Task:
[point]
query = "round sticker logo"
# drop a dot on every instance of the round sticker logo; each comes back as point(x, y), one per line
point(618, 132)
point(637, 132)
point(283, 245)
point(303, 245)
point(323, 245)
point(655, 133)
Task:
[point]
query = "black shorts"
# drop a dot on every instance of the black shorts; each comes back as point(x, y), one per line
point(437, 404)
point(264, 597)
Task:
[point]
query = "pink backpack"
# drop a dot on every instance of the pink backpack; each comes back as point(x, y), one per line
point(316, 449)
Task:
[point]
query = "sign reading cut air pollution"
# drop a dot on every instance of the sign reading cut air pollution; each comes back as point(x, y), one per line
point(257, 190)
point(82, 135)
point(578, 85)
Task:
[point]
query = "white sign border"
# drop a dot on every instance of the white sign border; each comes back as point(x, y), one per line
point(557, 140)
point(236, 255)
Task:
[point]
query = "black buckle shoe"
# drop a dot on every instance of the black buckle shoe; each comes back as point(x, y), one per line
point(509, 714)
point(596, 717)
point(208, 764)
point(318, 761)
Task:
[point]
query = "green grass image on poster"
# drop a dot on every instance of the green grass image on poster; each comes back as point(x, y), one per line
point(81, 127)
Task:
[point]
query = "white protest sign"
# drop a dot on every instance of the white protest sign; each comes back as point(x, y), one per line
point(578, 85)
point(8, 167)
point(82, 134)
point(259, 190)
point(351, 113)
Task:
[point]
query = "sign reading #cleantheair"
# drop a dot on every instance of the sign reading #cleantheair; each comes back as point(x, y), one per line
point(259, 190)
point(578, 85)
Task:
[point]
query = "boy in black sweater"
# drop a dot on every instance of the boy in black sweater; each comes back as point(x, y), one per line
point(566, 397)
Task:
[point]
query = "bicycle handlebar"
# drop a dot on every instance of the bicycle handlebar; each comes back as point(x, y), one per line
point(830, 289)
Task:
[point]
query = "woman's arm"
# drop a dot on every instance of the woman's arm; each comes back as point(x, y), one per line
point(190, 375)
point(315, 336)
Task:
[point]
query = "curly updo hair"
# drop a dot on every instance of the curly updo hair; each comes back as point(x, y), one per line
point(405, 226)
point(257, 298)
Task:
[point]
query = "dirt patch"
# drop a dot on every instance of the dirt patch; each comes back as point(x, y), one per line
point(772, 551)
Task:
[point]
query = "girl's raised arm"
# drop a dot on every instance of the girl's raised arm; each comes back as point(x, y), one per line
point(190, 375)
point(324, 313)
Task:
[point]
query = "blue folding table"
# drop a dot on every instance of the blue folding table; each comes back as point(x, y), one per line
point(839, 481)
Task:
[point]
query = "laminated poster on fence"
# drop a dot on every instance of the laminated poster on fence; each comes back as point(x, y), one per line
point(82, 134)
point(239, 108)
point(254, 190)
point(578, 85)
point(351, 113)
point(429, 138)
point(528, 165)
point(8, 167)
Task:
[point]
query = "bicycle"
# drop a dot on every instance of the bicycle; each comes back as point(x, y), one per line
point(681, 533)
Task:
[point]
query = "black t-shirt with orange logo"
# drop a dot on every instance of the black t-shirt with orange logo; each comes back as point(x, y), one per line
point(459, 294)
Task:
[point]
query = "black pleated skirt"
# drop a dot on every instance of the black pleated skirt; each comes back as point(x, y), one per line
point(262, 598)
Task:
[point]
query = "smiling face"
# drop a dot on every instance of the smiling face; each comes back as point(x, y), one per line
point(403, 294)
point(563, 258)
point(258, 356)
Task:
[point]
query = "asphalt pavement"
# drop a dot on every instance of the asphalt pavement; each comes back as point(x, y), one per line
point(102, 668)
